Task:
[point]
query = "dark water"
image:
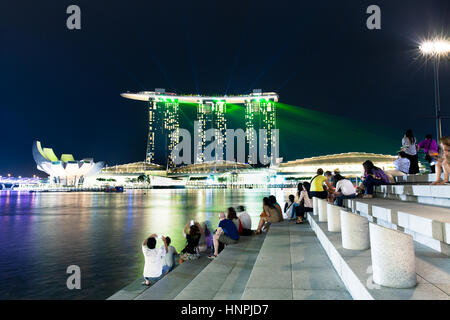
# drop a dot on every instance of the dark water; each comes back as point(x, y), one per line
point(42, 234)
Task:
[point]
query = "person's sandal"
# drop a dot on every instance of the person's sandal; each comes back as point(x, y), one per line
point(258, 232)
point(212, 257)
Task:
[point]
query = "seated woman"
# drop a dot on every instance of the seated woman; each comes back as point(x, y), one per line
point(443, 162)
point(305, 203)
point(192, 232)
point(269, 215)
point(289, 208)
point(273, 201)
point(206, 239)
point(373, 176)
point(232, 215)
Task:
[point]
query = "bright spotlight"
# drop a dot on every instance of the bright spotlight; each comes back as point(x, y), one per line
point(436, 47)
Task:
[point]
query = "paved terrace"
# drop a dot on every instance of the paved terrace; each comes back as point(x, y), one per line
point(288, 263)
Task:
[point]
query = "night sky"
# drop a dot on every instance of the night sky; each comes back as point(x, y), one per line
point(355, 89)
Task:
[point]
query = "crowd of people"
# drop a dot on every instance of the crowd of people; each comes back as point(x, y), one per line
point(199, 239)
point(328, 185)
point(436, 154)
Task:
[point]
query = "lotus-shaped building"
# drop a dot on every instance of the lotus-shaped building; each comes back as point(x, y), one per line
point(66, 170)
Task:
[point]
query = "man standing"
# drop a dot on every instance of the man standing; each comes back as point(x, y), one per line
point(226, 233)
point(153, 268)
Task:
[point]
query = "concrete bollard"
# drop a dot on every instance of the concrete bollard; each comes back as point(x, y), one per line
point(355, 231)
point(315, 206)
point(350, 204)
point(393, 258)
point(322, 206)
point(334, 218)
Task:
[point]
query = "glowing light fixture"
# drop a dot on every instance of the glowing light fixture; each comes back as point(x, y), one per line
point(435, 47)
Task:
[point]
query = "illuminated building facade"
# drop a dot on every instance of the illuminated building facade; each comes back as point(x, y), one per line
point(163, 133)
point(65, 170)
point(211, 115)
point(260, 113)
point(349, 164)
point(163, 128)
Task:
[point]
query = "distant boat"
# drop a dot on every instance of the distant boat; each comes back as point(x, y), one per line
point(114, 189)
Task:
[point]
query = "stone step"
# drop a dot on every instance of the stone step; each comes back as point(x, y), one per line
point(226, 276)
point(292, 266)
point(355, 269)
point(171, 285)
point(166, 288)
point(418, 178)
point(427, 224)
point(425, 194)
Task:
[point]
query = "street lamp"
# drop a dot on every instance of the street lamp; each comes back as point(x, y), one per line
point(436, 48)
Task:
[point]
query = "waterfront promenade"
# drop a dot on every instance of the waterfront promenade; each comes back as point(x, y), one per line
point(301, 262)
point(288, 263)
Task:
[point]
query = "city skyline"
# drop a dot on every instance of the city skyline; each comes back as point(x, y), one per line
point(344, 87)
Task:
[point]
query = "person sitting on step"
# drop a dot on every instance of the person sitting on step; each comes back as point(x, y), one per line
point(304, 202)
point(246, 221)
point(226, 233)
point(289, 208)
point(273, 200)
point(192, 232)
point(169, 257)
point(443, 162)
point(153, 265)
point(373, 176)
point(268, 216)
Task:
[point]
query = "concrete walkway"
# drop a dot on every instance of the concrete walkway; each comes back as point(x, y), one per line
point(226, 276)
point(355, 267)
point(287, 263)
point(292, 265)
point(166, 288)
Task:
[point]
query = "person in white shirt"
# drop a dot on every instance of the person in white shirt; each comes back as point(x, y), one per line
point(169, 257)
point(402, 163)
point(344, 190)
point(409, 146)
point(289, 208)
point(153, 267)
point(245, 219)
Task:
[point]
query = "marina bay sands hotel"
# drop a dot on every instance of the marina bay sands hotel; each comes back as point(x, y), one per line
point(163, 120)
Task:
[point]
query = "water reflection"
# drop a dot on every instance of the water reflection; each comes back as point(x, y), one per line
point(42, 234)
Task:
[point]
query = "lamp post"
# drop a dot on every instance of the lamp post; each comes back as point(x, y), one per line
point(436, 49)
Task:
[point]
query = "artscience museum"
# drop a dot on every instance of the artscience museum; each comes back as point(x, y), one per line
point(65, 170)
